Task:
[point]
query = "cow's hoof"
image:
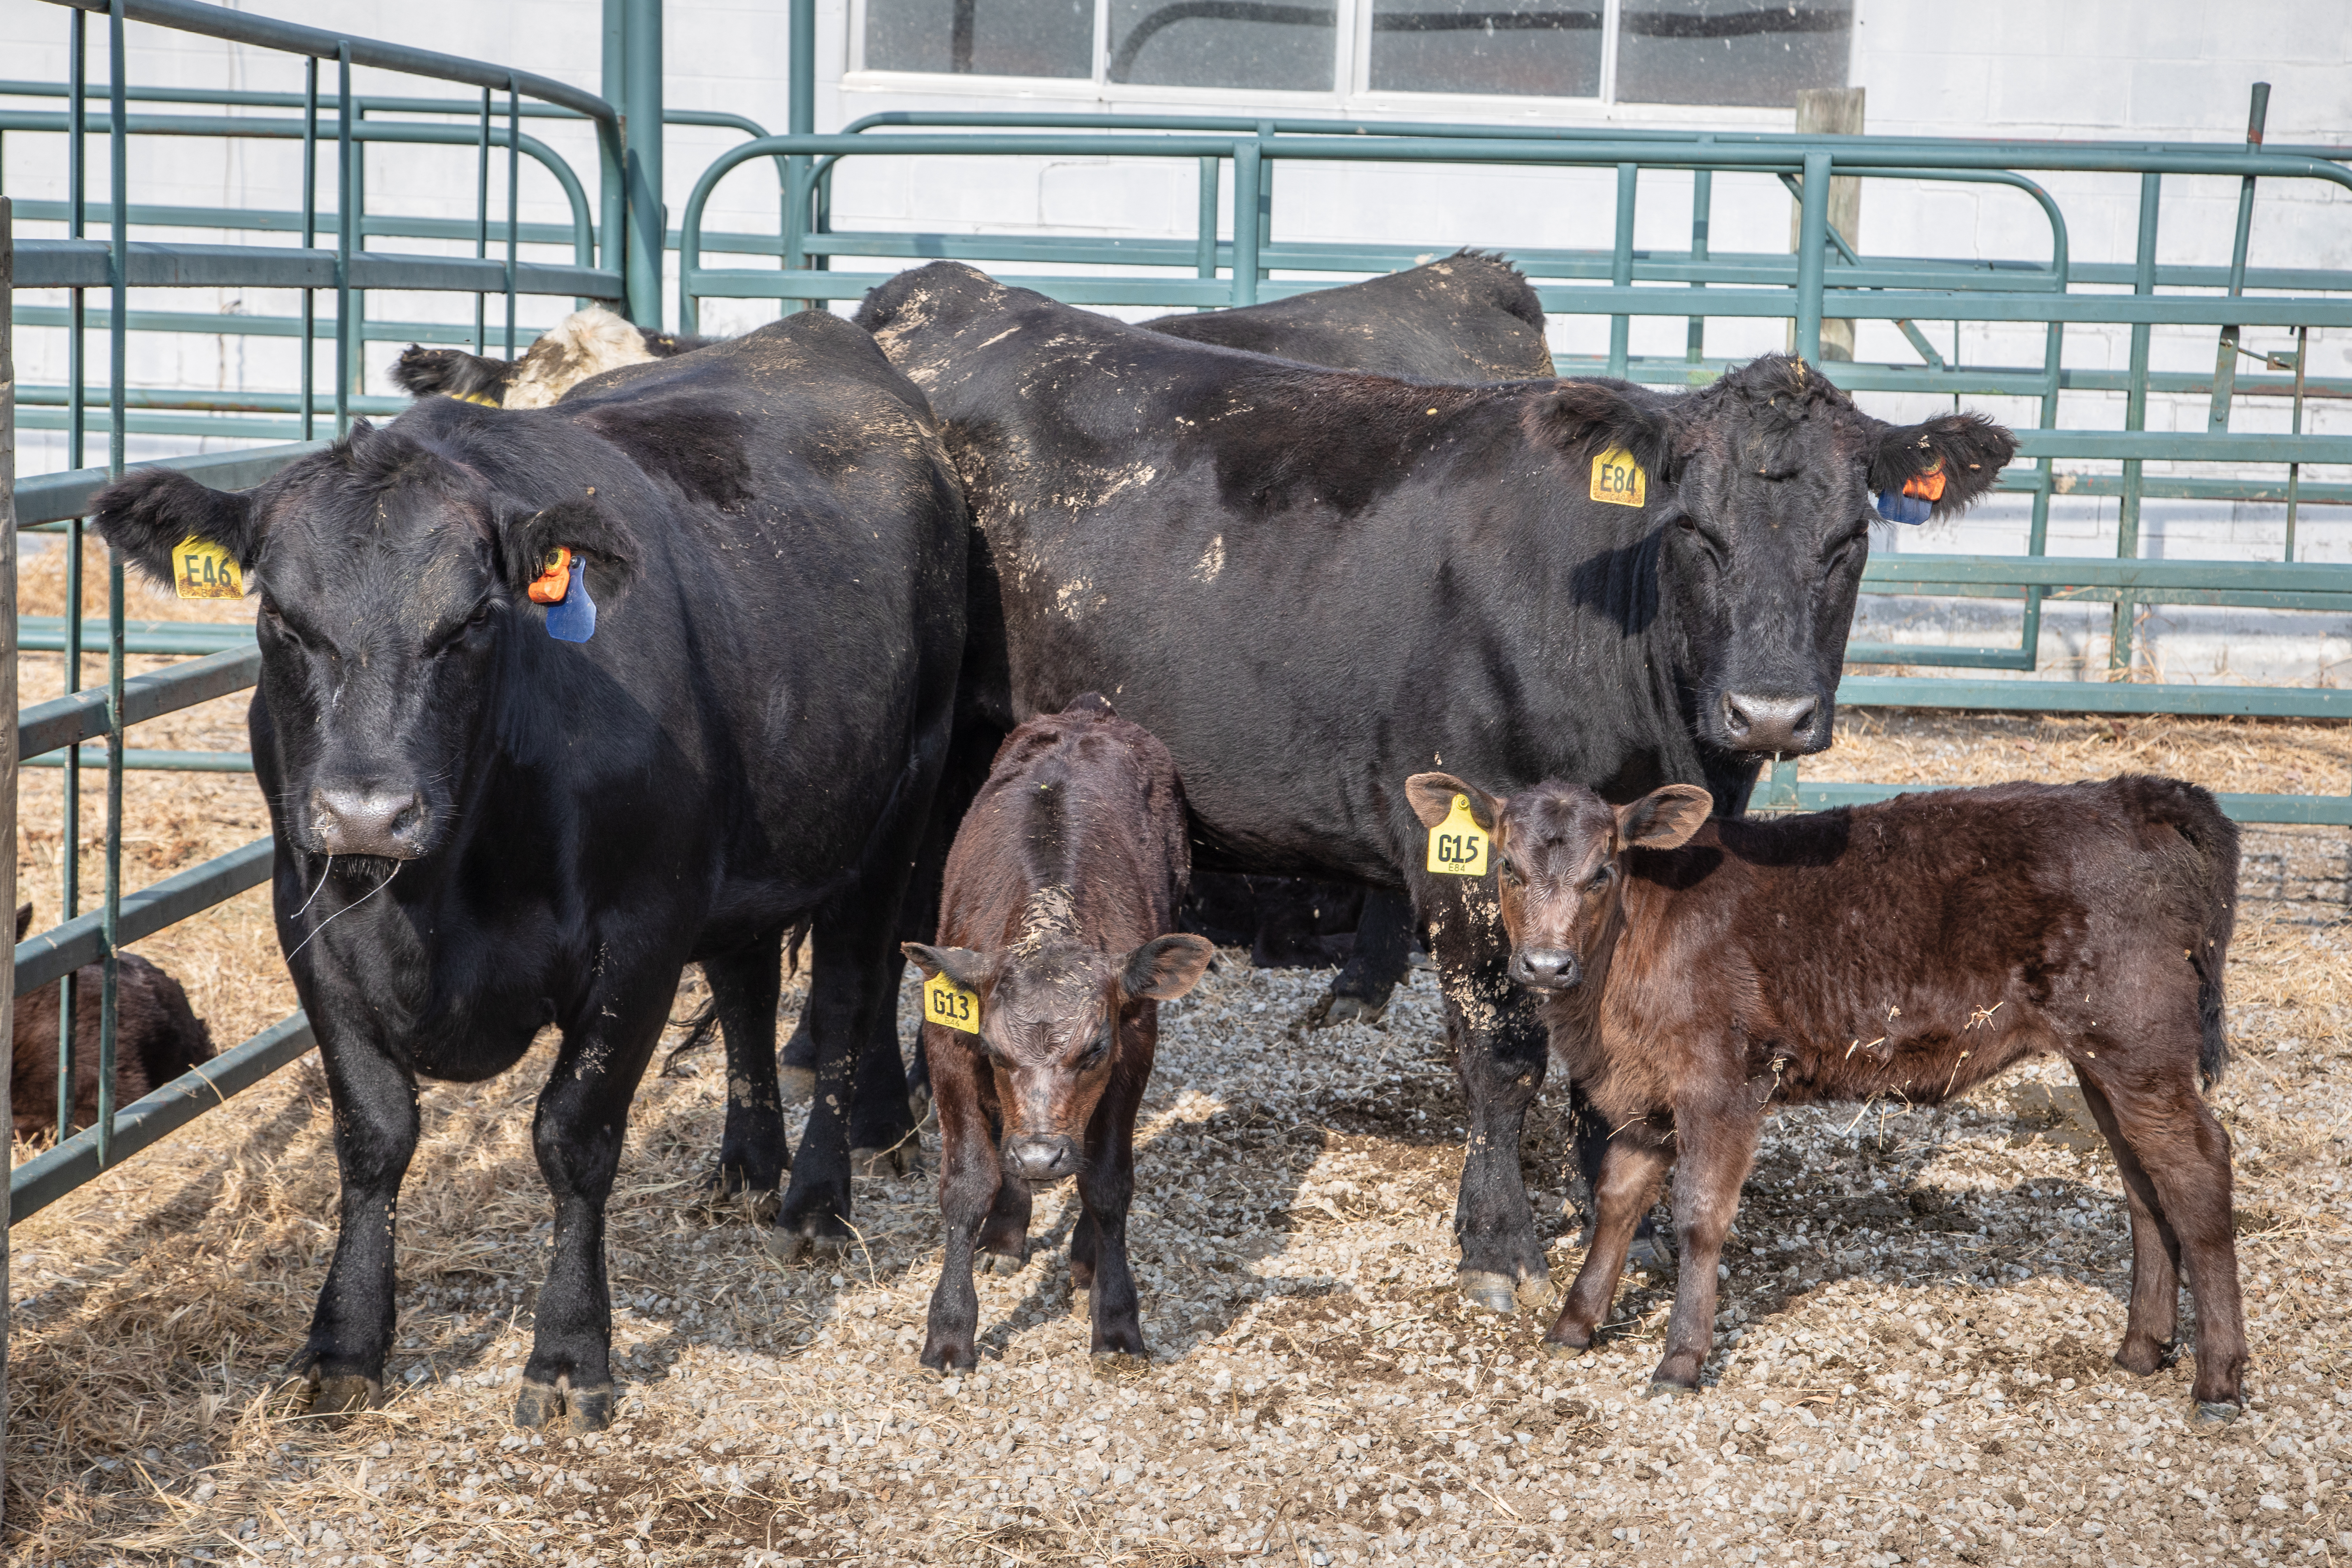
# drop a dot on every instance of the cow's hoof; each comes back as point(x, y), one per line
point(1664, 1392)
point(787, 1245)
point(1495, 1292)
point(332, 1397)
point(1559, 1351)
point(590, 1409)
point(726, 1194)
point(1535, 1291)
point(795, 1083)
point(2211, 1418)
point(537, 1405)
point(951, 1358)
point(1338, 1009)
point(1113, 1363)
point(901, 1159)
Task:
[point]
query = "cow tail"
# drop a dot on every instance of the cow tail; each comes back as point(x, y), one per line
point(2198, 818)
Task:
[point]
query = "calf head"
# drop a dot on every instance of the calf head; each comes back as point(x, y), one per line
point(1764, 484)
point(1050, 1012)
point(1556, 852)
point(392, 581)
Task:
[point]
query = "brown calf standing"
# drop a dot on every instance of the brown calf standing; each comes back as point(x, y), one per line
point(1062, 880)
point(157, 1038)
point(1695, 972)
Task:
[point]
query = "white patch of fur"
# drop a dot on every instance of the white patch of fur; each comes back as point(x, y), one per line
point(582, 344)
point(1212, 561)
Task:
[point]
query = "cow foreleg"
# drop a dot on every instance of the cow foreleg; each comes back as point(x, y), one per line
point(745, 986)
point(340, 1365)
point(578, 1134)
point(1360, 991)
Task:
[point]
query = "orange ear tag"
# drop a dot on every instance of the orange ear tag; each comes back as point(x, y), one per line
point(1926, 487)
point(555, 581)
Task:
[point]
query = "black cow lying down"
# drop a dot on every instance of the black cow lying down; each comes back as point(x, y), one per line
point(1310, 585)
point(1697, 973)
point(482, 831)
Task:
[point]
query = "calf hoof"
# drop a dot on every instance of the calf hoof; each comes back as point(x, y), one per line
point(1495, 1292)
point(795, 1083)
point(1663, 1393)
point(2211, 1418)
point(2145, 1357)
point(794, 1245)
point(1559, 1351)
point(901, 1159)
point(1338, 1009)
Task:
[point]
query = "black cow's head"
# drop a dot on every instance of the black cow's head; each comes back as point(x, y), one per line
point(393, 580)
point(1765, 484)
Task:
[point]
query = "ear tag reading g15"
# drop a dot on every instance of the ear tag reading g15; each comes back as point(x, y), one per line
point(1457, 846)
point(1618, 479)
point(952, 1006)
point(202, 570)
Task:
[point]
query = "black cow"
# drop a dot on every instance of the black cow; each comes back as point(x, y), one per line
point(1310, 585)
point(482, 831)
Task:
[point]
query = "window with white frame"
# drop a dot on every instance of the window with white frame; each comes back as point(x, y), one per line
point(1714, 52)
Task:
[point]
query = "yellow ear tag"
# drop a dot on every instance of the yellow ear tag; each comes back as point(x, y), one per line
point(950, 1005)
point(1457, 846)
point(202, 570)
point(1618, 479)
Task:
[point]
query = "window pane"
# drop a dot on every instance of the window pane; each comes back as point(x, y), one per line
point(1549, 48)
point(983, 38)
point(1728, 51)
point(1223, 43)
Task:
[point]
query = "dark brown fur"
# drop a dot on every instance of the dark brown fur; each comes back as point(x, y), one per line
point(1066, 873)
point(157, 1038)
point(1695, 972)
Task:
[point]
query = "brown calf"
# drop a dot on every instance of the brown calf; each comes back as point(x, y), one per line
point(1062, 879)
point(157, 1036)
point(1695, 972)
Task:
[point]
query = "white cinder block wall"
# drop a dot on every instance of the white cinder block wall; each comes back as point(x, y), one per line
point(2162, 69)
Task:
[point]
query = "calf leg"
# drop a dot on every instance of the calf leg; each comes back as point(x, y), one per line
point(578, 1135)
point(1589, 1131)
point(1361, 989)
point(745, 985)
point(1106, 1186)
point(1714, 1147)
point(2184, 1155)
point(376, 1136)
point(1622, 1190)
point(2155, 1316)
point(968, 1189)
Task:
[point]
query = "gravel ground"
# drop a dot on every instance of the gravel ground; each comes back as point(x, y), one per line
point(1918, 1315)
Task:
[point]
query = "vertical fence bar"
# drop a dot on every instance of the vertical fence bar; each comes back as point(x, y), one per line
point(2295, 471)
point(8, 703)
point(1702, 211)
point(1204, 229)
point(118, 334)
point(356, 316)
point(1812, 245)
point(643, 56)
point(1264, 188)
point(800, 113)
point(2225, 352)
point(310, 240)
point(76, 449)
point(1246, 156)
point(346, 225)
point(1621, 265)
point(514, 202)
point(2037, 534)
point(2119, 633)
point(482, 221)
point(612, 154)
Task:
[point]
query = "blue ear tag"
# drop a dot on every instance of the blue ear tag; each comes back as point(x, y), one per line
point(572, 618)
point(1896, 507)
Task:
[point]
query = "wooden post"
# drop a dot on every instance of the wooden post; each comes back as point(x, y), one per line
point(7, 758)
point(1832, 111)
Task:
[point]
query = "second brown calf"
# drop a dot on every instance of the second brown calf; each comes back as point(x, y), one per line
point(1695, 972)
point(157, 1036)
point(1061, 887)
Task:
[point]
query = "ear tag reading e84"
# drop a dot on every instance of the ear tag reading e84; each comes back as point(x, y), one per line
point(1457, 846)
point(202, 570)
point(948, 1004)
point(1618, 479)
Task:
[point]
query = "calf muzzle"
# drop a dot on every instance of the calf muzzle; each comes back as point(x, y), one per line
point(1546, 969)
point(368, 819)
point(1043, 1159)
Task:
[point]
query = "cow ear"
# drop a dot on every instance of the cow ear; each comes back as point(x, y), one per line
point(1664, 819)
point(972, 971)
point(1967, 450)
point(1431, 796)
point(593, 534)
point(24, 920)
point(1166, 967)
point(1585, 418)
point(148, 512)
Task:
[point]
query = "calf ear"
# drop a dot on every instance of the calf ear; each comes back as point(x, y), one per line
point(1166, 967)
point(1585, 418)
point(1664, 819)
point(1431, 796)
point(24, 920)
point(971, 969)
point(147, 513)
point(594, 535)
point(1971, 450)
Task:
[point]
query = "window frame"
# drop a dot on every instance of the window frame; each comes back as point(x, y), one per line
point(1351, 67)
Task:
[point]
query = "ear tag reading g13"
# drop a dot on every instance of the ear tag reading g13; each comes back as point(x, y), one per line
point(202, 570)
point(1457, 846)
point(1618, 479)
point(950, 1005)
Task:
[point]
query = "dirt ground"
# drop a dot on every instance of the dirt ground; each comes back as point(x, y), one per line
point(1919, 1314)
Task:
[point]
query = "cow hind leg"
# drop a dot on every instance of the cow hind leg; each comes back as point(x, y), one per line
point(2155, 1315)
point(1360, 991)
point(882, 1136)
point(853, 976)
point(578, 1135)
point(745, 985)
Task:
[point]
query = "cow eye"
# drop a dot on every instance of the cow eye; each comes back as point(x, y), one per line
point(1600, 880)
point(1510, 875)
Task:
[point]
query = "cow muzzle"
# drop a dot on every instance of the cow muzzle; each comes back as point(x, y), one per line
point(1043, 1159)
point(1546, 969)
point(1782, 723)
point(368, 819)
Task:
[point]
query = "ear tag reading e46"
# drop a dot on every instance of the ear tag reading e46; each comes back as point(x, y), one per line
point(950, 1005)
point(1618, 479)
point(1458, 846)
point(202, 570)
